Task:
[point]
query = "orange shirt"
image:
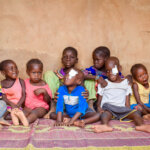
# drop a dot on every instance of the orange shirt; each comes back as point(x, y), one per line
point(32, 101)
point(14, 93)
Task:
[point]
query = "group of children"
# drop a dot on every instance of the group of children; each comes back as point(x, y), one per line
point(76, 97)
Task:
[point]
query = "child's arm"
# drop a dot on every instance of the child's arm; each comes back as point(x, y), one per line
point(22, 99)
point(59, 121)
point(73, 119)
point(59, 107)
point(127, 104)
point(99, 99)
point(136, 94)
point(8, 102)
point(43, 91)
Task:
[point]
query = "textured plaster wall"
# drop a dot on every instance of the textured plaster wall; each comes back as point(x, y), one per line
point(43, 28)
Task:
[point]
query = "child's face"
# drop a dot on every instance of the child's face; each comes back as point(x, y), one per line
point(35, 73)
point(112, 71)
point(142, 76)
point(11, 71)
point(69, 59)
point(71, 78)
point(98, 61)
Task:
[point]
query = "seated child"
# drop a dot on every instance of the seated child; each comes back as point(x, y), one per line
point(55, 79)
point(13, 89)
point(95, 72)
point(3, 109)
point(113, 100)
point(75, 104)
point(141, 89)
point(38, 93)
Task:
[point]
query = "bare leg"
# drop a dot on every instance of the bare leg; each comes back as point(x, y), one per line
point(4, 122)
point(146, 117)
point(140, 126)
point(15, 119)
point(22, 117)
point(65, 117)
point(36, 113)
point(105, 118)
point(52, 109)
point(90, 103)
point(90, 117)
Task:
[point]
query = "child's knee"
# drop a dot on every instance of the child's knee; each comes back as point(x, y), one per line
point(105, 116)
point(53, 115)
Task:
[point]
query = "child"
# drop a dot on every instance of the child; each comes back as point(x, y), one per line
point(13, 90)
point(75, 104)
point(141, 89)
point(95, 72)
point(55, 79)
point(113, 100)
point(38, 94)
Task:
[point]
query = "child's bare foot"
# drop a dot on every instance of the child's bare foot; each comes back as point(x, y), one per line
point(102, 128)
point(66, 120)
point(47, 116)
point(144, 128)
point(22, 117)
point(146, 117)
point(4, 122)
point(14, 118)
point(79, 123)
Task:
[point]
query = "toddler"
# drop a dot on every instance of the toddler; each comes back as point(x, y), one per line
point(38, 94)
point(75, 104)
point(113, 100)
point(13, 89)
point(141, 89)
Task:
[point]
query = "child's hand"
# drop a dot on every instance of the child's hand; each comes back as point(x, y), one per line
point(102, 82)
point(56, 97)
point(39, 91)
point(85, 94)
point(100, 110)
point(58, 123)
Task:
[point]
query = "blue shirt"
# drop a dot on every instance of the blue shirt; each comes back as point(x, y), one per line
point(74, 101)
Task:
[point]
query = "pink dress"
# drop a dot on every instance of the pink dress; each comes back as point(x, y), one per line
point(32, 101)
point(14, 93)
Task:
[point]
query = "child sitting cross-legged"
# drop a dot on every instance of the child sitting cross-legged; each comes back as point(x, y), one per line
point(38, 94)
point(141, 90)
point(13, 92)
point(76, 106)
point(113, 100)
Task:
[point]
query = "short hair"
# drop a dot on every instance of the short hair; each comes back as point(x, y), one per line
point(113, 59)
point(103, 51)
point(34, 61)
point(4, 63)
point(135, 67)
point(71, 49)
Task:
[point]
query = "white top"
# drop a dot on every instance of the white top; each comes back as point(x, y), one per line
point(115, 93)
